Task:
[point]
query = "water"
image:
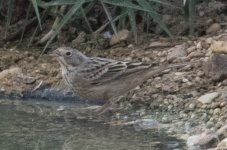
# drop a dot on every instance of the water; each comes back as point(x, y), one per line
point(22, 130)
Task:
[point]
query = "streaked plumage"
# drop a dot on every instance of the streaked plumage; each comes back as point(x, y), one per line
point(101, 78)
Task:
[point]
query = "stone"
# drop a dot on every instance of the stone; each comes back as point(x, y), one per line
point(192, 106)
point(145, 124)
point(177, 52)
point(222, 132)
point(208, 98)
point(216, 111)
point(204, 44)
point(223, 144)
point(195, 54)
point(209, 40)
point(159, 44)
point(213, 28)
point(191, 49)
point(216, 67)
point(199, 45)
point(219, 46)
point(26, 79)
point(13, 71)
point(214, 105)
point(207, 139)
point(122, 35)
point(222, 104)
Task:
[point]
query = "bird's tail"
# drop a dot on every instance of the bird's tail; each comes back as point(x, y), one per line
point(158, 70)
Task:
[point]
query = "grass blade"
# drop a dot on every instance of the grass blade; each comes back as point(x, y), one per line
point(163, 3)
point(9, 15)
point(132, 19)
point(191, 18)
point(77, 5)
point(86, 20)
point(43, 17)
point(35, 5)
point(155, 16)
point(25, 21)
point(58, 2)
point(127, 4)
point(109, 17)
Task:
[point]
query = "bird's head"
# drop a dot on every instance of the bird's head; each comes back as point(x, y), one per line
point(68, 57)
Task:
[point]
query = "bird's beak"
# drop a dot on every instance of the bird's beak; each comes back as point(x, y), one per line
point(55, 53)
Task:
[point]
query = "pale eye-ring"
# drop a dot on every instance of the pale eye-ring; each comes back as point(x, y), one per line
point(68, 53)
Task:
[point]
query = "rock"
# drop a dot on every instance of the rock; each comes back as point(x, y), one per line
point(199, 45)
point(216, 111)
point(222, 104)
point(13, 71)
point(219, 46)
point(192, 106)
point(122, 35)
point(177, 52)
point(205, 44)
point(214, 105)
point(209, 40)
point(210, 124)
point(195, 54)
point(159, 44)
point(222, 132)
point(208, 98)
point(191, 49)
point(61, 108)
point(26, 79)
point(223, 144)
point(2, 89)
point(145, 124)
point(207, 139)
point(213, 28)
point(216, 67)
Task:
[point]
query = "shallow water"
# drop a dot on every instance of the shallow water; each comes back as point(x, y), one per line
point(20, 130)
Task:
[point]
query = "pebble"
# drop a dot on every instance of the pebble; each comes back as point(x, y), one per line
point(192, 106)
point(2, 89)
point(223, 144)
point(145, 124)
point(177, 52)
point(61, 108)
point(213, 28)
point(199, 45)
point(222, 104)
point(210, 124)
point(165, 119)
point(191, 49)
point(208, 98)
point(13, 71)
point(216, 111)
point(214, 105)
point(209, 40)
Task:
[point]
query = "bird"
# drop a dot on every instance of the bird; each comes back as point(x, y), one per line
point(97, 78)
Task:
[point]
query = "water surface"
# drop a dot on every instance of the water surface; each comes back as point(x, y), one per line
point(21, 130)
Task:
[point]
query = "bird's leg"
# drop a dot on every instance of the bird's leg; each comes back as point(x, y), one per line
point(104, 107)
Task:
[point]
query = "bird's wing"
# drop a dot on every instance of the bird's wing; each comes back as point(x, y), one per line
point(100, 70)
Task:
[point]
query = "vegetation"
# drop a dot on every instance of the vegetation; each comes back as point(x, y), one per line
point(117, 14)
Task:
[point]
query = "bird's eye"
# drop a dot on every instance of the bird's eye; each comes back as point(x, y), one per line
point(68, 53)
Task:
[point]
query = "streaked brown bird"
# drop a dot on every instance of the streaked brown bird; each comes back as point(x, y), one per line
point(102, 78)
